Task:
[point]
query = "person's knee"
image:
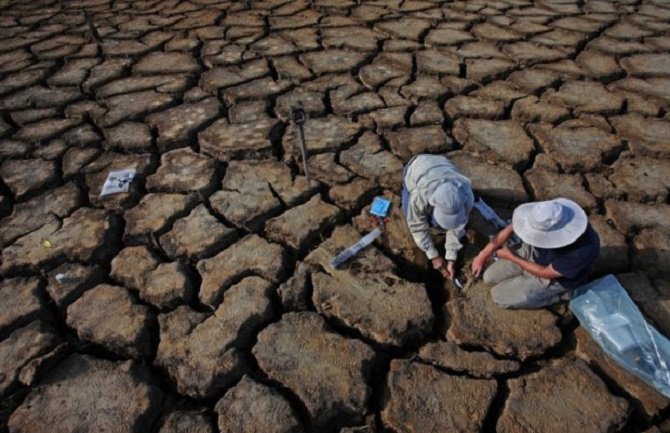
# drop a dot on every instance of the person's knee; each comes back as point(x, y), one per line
point(490, 275)
point(501, 296)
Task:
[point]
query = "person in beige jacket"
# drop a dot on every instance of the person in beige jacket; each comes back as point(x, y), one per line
point(436, 194)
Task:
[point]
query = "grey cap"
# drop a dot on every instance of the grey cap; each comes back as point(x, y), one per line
point(449, 201)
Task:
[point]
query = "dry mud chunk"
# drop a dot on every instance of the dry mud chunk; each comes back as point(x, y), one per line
point(505, 140)
point(248, 112)
point(166, 63)
point(447, 36)
point(248, 198)
point(327, 371)
point(420, 398)
point(133, 105)
point(155, 212)
point(197, 235)
point(225, 141)
point(426, 113)
point(68, 281)
point(330, 133)
point(333, 60)
point(251, 407)
point(585, 97)
point(653, 301)
point(132, 265)
point(565, 396)
point(354, 298)
point(86, 235)
point(21, 350)
point(97, 171)
point(353, 195)
point(478, 364)
point(533, 109)
point(436, 62)
point(129, 136)
point(187, 422)
point(161, 83)
point(167, 286)
point(477, 321)
point(547, 185)
point(646, 399)
point(45, 129)
point(30, 215)
point(251, 255)
point(467, 106)
point(90, 394)
point(527, 53)
point(497, 183)
point(385, 118)
point(404, 28)
point(311, 102)
point(355, 38)
point(651, 251)
point(289, 68)
point(531, 80)
point(408, 142)
point(177, 124)
point(369, 159)
point(598, 64)
point(21, 302)
point(647, 64)
point(627, 216)
point(295, 292)
point(324, 168)
point(262, 88)
point(379, 72)
point(642, 179)
point(397, 238)
point(183, 170)
point(645, 136)
point(483, 69)
point(224, 77)
point(202, 356)
point(125, 326)
point(24, 176)
point(425, 87)
point(298, 226)
point(613, 247)
point(591, 145)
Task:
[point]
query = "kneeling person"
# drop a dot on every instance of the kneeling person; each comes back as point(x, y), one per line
point(557, 254)
point(436, 194)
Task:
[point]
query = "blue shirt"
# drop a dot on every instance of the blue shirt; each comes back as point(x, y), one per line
point(575, 261)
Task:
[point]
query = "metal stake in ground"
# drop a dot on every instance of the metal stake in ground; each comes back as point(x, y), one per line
point(299, 117)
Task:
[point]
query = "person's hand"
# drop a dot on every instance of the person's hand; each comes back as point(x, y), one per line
point(505, 253)
point(439, 264)
point(451, 269)
point(478, 265)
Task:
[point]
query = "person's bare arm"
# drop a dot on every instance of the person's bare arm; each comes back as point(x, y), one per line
point(496, 243)
point(542, 271)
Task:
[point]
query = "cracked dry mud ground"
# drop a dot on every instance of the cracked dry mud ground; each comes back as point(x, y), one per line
point(202, 300)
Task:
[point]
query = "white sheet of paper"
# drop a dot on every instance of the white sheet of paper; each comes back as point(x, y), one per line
point(117, 181)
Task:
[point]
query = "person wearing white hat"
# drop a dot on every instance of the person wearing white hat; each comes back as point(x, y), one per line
point(557, 254)
point(436, 194)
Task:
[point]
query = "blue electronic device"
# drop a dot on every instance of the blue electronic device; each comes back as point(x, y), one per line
point(380, 207)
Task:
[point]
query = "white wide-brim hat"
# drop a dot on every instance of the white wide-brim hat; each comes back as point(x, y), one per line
point(549, 224)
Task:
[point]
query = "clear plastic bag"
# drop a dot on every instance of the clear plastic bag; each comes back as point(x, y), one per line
point(613, 320)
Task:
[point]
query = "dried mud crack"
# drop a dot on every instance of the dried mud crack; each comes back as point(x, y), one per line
point(201, 300)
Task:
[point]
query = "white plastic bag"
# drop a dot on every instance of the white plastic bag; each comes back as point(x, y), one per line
point(607, 313)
